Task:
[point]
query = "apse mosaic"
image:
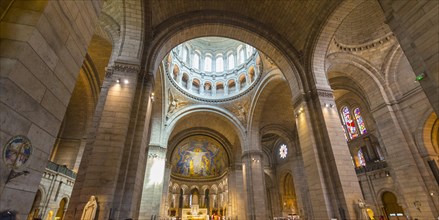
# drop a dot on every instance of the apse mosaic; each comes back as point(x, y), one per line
point(199, 157)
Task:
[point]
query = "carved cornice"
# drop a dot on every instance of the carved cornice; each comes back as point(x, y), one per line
point(250, 153)
point(126, 67)
point(365, 46)
point(324, 93)
point(310, 95)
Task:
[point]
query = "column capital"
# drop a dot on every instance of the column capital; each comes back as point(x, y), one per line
point(251, 153)
point(311, 95)
point(126, 67)
point(156, 151)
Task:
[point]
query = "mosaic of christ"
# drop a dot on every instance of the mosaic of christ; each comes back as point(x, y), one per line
point(199, 157)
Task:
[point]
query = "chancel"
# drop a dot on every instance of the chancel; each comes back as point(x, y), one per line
point(219, 110)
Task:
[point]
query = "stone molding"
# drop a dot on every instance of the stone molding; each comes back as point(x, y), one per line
point(365, 46)
point(156, 151)
point(317, 93)
point(250, 153)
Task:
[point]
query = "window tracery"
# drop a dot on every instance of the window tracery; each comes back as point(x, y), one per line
point(360, 122)
point(349, 123)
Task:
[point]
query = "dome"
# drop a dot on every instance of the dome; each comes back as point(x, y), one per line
point(199, 157)
point(213, 68)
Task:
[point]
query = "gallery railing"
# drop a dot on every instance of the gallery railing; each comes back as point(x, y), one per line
point(61, 169)
point(371, 167)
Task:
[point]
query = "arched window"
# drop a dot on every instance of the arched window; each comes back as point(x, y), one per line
point(231, 60)
point(361, 159)
point(208, 64)
point(219, 67)
point(249, 50)
point(349, 123)
point(196, 61)
point(185, 52)
point(240, 55)
point(360, 122)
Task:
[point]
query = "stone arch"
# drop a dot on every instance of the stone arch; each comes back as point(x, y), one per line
point(325, 37)
point(112, 31)
point(361, 72)
point(268, 83)
point(426, 135)
point(184, 27)
point(224, 116)
point(176, 139)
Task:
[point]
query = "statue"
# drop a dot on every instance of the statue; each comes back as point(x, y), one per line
point(90, 208)
point(362, 210)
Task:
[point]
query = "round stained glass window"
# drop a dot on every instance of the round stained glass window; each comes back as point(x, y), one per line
point(17, 151)
point(283, 151)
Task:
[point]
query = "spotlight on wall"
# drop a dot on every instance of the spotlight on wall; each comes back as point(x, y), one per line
point(387, 173)
point(126, 81)
point(118, 80)
point(152, 97)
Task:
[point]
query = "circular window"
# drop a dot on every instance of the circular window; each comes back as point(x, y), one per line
point(17, 151)
point(283, 151)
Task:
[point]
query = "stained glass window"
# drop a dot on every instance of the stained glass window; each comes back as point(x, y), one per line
point(360, 121)
point(350, 124)
point(283, 151)
point(361, 158)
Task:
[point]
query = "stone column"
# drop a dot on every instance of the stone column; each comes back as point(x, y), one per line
point(164, 204)
point(332, 182)
point(237, 205)
point(153, 183)
point(254, 183)
point(226, 89)
point(132, 169)
point(103, 156)
point(238, 85)
point(202, 88)
point(213, 88)
point(190, 83)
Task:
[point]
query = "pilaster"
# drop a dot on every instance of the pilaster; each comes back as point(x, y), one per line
point(153, 183)
point(103, 155)
point(333, 184)
point(254, 184)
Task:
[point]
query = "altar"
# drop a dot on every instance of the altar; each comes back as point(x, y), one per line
point(194, 213)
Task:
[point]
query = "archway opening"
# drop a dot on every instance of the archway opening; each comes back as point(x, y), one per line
point(391, 207)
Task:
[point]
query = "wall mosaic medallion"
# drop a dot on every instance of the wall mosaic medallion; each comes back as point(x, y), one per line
point(17, 151)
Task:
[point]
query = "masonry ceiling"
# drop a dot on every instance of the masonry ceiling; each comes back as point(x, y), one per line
point(294, 20)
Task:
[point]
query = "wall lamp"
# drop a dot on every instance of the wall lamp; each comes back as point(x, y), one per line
point(152, 97)
point(329, 105)
point(13, 174)
point(299, 112)
point(125, 81)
